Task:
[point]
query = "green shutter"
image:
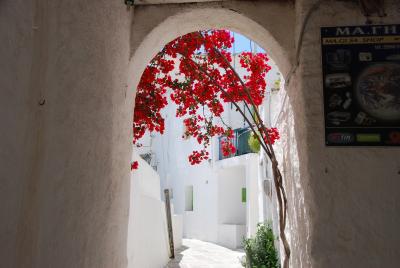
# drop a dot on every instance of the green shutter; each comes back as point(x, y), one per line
point(244, 195)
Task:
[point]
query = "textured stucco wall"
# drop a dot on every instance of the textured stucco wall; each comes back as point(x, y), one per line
point(351, 193)
point(268, 23)
point(298, 226)
point(64, 165)
point(16, 117)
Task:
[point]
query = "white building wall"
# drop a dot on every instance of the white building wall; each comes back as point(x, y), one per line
point(171, 153)
point(177, 229)
point(231, 209)
point(249, 164)
point(201, 223)
point(147, 228)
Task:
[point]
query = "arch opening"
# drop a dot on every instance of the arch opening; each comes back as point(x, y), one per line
point(202, 19)
point(166, 32)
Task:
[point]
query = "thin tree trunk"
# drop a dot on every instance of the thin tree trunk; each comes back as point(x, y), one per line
point(264, 140)
point(282, 202)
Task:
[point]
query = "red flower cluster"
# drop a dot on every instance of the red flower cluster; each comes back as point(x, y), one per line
point(134, 165)
point(203, 82)
point(150, 99)
point(273, 135)
point(227, 148)
point(197, 156)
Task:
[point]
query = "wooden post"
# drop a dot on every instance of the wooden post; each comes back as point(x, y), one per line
point(169, 223)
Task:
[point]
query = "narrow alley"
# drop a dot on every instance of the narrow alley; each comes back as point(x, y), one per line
point(199, 254)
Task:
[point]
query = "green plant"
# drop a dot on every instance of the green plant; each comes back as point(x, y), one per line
point(260, 250)
point(254, 144)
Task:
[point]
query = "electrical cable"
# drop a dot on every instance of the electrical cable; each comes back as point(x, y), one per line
point(293, 70)
point(313, 8)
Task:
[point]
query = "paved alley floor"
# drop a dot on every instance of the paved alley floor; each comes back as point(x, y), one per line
point(199, 254)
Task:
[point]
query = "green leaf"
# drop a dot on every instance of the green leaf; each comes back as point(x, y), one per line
point(254, 144)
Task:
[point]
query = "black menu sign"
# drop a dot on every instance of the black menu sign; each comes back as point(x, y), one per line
point(361, 80)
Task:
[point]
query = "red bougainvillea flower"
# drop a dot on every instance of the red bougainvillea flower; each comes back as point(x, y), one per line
point(197, 156)
point(134, 165)
point(227, 148)
point(273, 135)
point(194, 72)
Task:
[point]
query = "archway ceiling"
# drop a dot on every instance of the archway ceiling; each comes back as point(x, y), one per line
point(159, 2)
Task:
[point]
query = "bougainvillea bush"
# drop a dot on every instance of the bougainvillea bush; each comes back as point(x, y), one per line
point(195, 71)
point(204, 81)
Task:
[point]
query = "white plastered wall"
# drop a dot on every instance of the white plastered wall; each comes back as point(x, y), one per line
point(231, 209)
point(65, 187)
point(350, 193)
point(65, 138)
point(147, 228)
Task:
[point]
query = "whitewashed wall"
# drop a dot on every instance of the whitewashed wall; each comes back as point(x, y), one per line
point(249, 165)
point(231, 209)
point(175, 171)
point(147, 228)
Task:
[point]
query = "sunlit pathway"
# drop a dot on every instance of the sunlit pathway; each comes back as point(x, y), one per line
point(199, 254)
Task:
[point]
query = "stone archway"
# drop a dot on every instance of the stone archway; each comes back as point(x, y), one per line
point(149, 36)
point(168, 22)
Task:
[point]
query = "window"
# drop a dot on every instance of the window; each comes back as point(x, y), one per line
point(189, 198)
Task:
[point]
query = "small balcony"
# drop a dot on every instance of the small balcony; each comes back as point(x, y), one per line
point(240, 141)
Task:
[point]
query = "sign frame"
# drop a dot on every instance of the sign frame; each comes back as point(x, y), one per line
point(361, 85)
